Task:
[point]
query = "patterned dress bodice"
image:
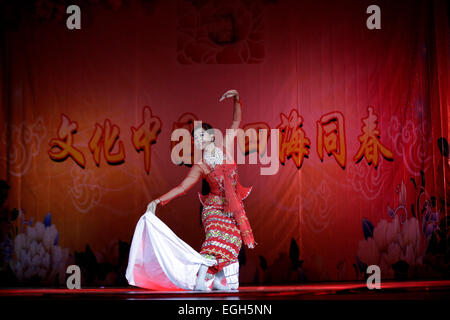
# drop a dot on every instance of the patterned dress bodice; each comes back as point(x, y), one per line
point(215, 179)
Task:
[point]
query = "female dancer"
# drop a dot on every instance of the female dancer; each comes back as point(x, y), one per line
point(223, 215)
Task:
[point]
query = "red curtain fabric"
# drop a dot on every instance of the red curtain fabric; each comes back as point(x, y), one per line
point(87, 116)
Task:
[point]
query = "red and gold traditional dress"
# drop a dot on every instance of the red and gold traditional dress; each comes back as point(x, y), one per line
point(160, 260)
point(223, 215)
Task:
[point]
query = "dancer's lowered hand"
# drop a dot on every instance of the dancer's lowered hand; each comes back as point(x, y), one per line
point(152, 206)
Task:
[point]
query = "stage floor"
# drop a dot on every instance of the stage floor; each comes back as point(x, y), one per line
point(408, 290)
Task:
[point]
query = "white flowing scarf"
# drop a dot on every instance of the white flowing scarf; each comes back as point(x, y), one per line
point(159, 260)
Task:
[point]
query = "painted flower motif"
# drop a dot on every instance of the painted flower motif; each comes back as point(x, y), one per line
point(391, 242)
point(6, 248)
point(37, 254)
point(220, 32)
point(430, 222)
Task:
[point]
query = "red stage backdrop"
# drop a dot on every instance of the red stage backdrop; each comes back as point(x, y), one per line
point(87, 115)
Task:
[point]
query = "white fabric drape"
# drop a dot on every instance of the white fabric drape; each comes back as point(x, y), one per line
point(159, 260)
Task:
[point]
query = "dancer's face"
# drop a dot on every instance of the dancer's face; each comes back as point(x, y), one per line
point(202, 138)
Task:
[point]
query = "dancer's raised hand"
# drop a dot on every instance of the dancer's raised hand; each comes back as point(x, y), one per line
point(230, 94)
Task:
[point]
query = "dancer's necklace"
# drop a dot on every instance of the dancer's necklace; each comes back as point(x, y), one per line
point(213, 157)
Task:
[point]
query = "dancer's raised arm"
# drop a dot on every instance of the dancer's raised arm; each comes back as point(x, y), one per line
point(194, 175)
point(237, 113)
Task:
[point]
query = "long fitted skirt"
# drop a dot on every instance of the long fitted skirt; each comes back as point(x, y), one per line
point(222, 236)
